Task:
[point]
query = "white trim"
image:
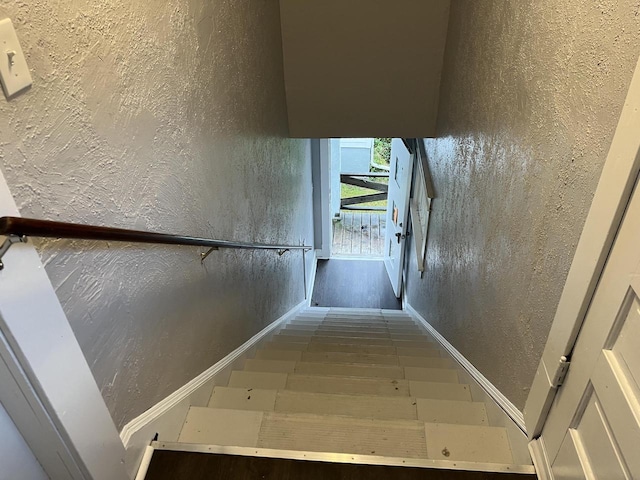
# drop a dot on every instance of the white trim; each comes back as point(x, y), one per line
point(612, 195)
point(312, 278)
point(540, 459)
point(501, 400)
point(325, 199)
point(369, 258)
point(39, 336)
point(33, 423)
point(167, 416)
point(345, 458)
point(403, 293)
point(363, 143)
point(144, 464)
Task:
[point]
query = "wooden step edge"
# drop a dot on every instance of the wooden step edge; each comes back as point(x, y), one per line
point(350, 395)
point(375, 407)
point(290, 363)
point(436, 434)
point(413, 388)
point(360, 335)
point(304, 347)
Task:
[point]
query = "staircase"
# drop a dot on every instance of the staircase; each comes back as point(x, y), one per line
point(374, 385)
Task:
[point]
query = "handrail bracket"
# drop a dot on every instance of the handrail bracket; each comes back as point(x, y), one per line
point(204, 255)
point(6, 245)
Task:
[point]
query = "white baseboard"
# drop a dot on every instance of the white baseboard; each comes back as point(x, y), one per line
point(312, 277)
point(166, 417)
point(503, 402)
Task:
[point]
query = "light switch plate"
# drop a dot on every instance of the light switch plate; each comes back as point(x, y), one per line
point(14, 72)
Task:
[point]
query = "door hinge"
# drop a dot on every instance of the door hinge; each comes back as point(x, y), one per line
point(561, 372)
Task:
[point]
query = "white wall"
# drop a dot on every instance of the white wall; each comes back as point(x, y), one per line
point(16, 459)
point(168, 117)
point(363, 68)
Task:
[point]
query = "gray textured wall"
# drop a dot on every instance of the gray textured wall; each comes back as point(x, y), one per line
point(166, 116)
point(531, 94)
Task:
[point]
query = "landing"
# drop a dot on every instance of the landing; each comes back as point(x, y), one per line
point(353, 284)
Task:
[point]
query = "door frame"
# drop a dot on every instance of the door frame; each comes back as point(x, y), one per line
point(321, 178)
point(409, 144)
point(46, 385)
point(611, 198)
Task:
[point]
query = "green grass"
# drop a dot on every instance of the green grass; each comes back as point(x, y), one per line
point(381, 155)
point(349, 191)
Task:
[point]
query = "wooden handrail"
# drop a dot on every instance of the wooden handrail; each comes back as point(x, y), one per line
point(29, 227)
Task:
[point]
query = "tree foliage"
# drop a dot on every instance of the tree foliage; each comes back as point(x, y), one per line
point(382, 150)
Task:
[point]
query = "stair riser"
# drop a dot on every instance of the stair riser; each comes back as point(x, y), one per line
point(357, 326)
point(359, 406)
point(381, 323)
point(338, 434)
point(430, 350)
point(374, 316)
point(347, 329)
point(350, 385)
point(339, 357)
point(371, 319)
point(428, 374)
point(353, 330)
point(353, 341)
point(349, 333)
point(354, 334)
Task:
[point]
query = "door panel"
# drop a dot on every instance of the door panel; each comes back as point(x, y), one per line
point(598, 407)
point(596, 442)
point(568, 465)
point(400, 170)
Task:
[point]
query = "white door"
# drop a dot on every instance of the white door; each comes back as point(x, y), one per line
point(593, 427)
point(400, 169)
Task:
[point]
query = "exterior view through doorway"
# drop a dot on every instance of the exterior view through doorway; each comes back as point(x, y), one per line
point(370, 182)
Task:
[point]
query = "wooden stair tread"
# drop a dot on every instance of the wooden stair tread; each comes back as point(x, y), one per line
point(340, 434)
point(357, 358)
point(352, 382)
point(364, 406)
point(350, 385)
point(427, 350)
point(433, 374)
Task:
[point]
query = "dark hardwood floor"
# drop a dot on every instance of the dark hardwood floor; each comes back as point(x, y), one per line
point(166, 465)
point(354, 284)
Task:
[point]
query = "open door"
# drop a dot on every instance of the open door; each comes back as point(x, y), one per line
point(400, 169)
point(583, 415)
point(593, 429)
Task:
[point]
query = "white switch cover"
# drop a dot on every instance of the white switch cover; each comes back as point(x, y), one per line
point(14, 71)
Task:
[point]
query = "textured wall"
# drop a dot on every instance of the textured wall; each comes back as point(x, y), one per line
point(531, 94)
point(166, 116)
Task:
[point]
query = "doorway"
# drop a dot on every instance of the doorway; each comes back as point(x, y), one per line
point(369, 182)
point(359, 190)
